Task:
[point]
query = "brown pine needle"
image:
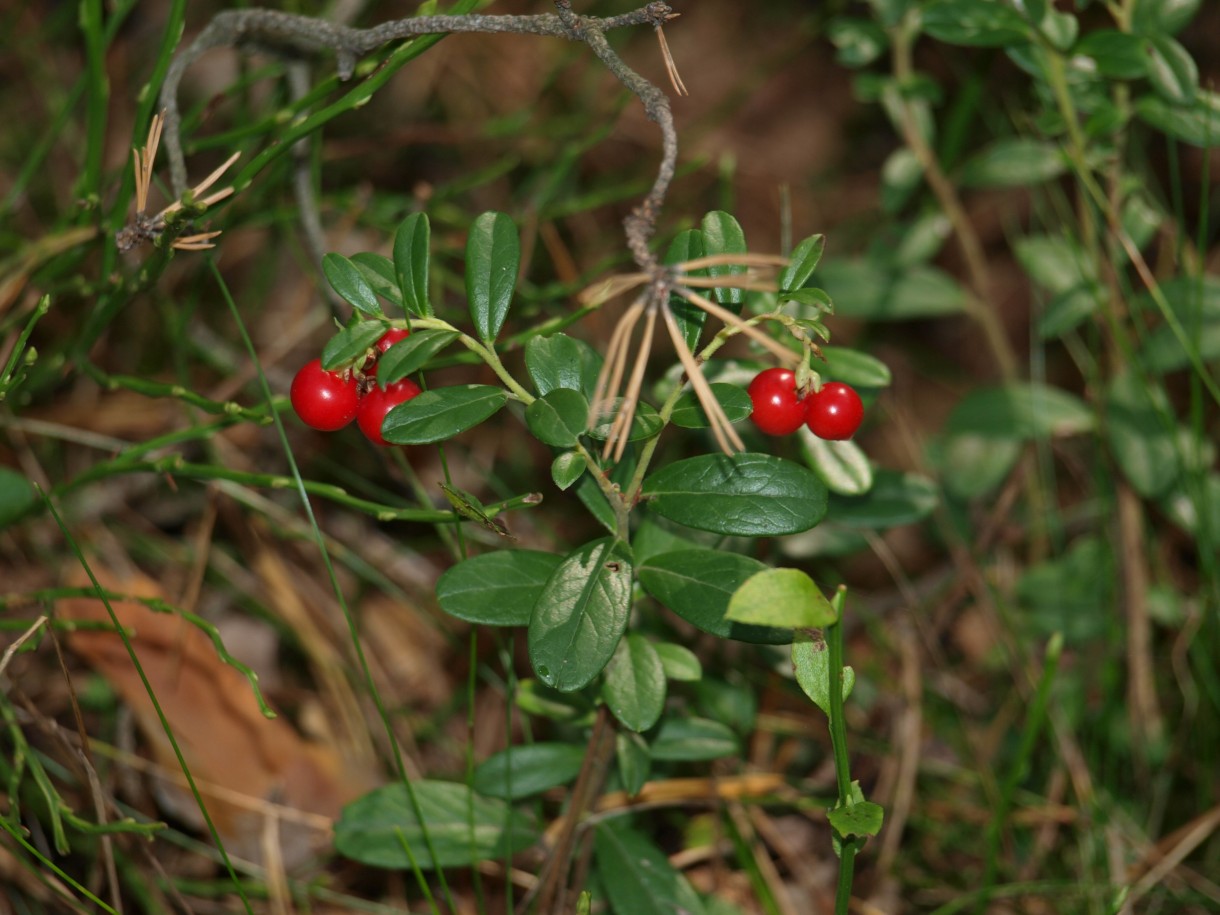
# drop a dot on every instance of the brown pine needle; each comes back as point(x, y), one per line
point(611, 288)
point(744, 259)
point(726, 436)
point(671, 67)
point(620, 431)
point(143, 161)
point(780, 351)
point(752, 283)
point(611, 377)
point(200, 242)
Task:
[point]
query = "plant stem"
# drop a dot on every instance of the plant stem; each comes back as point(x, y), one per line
point(838, 744)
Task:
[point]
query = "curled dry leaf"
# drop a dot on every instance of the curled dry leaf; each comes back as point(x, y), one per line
point(258, 777)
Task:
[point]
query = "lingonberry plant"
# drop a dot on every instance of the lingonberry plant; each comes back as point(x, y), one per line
point(778, 409)
point(324, 400)
point(834, 411)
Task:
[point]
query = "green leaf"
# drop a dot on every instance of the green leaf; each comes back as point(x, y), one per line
point(974, 465)
point(783, 598)
point(974, 23)
point(1055, 263)
point(634, 761)
point(496, 589)
point(862, 288)
point(581, 615)
point(1119, 55)
point(378, 272)
point(1069, 309)
point(526, 770)
point(811, 663)
point(645, 424)
point(637, 876)
point(560, 361)
point(567, 468)
point(351, 344)
point(493, 257)
point(1190, 298)
point(1162, 352)
point(858, 41)
point(558, 418)
point(543, 702)
point(17, 496)
point(1139, 428)
point(801, 264)
point(688, 412)
point(591, 495)
point(687, 246)
point(1073, 593)
point(841, 465)
point(1195, 508)
point(347, 280)
point(722, 234)
point(1171, 70)
point(748, 495)
point(895, 498)
point(634, 686)
point(693, 740)
point(1014, 162)
point(679, 662)
point(1165, 17)
point(463, 827)
point(1197, 124)
point(441, 413)
point(857, 819)
point(1022, 410)
point(853, 367)
point(698, 584)
point(411, 259)
point(408, 356)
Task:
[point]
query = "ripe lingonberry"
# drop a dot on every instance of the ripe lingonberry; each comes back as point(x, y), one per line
point(835, 412)
point(390, 337)
point(377, 403)
point(777, 408)
point(324, 400)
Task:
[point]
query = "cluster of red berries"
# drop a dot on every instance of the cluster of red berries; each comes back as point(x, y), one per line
point(328, 401)
point(833, 412)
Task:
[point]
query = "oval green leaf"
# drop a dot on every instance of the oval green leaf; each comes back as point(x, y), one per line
point(722, 234)
point(974, 23)
point(581, 615)
point(558, 418)
point(347, 280)
point(351, 344)
point(687, 246)
point(693, 740)
point(463, 827)
point(974, 465)
point(811, 663)
point(1197, 124)
point(853, 367)
point(645, 424)
point(1021, 411)
point(634, 761)
point(801, 264)
point(895, 498)
point(748, 495)
point(679, 662)
point(526, 770)
point(1171, 70)
point(560, 361)
point(440, 414)
point(634, 685)
point(782, 598)
point(567, 468)
point(637, 876)
point(1014, 162)
point(378, 271)
point(842, 466)
point(496, 589)
point(411, 260)
point(1141, 432)
point(17, 496)
point(493, 257)
point(410, 355)
point(688, 412)
point(698, 584)
point(860, 818)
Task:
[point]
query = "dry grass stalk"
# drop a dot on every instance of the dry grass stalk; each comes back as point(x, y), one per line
point(671, 66)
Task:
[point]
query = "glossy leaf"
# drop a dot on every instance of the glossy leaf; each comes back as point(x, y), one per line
point(347, 280)
point(748, 495)
point(637, 876)
point(679, 662)
point(783, 598)
point(811, 663)
point(1140, 429)
point(688, 412)
point(697, 585)
point(687, 245)
point(17, 496)
point(1014, 162)
point(1069, 309)
point(441, 413)
point(634, 687)
point(529, 769)
point(634, 761)
point(693, 740)
point(351, 344)
point(1197, 124)
point(558, 418)
point(841, 465)
point(974, 465)
point(645, 424)
point(463, 827)
point(858, 42)
point(378, 272)
point(974, 23)
point(406, 357)
point(567, 468)
point(853, 367)
point(534, 698)
point(1163, 352)
point(1166, 17)
point(411, 263)
point(1117, 54)
point(560, 361)
point(591, 495)
point(1055, 263)
point(895, 498)
point(1019, 411)
point(802, 262)
point(496, 589)
point(493, 257)
point(581, 615)
point(861, 818)
point(862, 288)
point(722, 234)
point(1171, 70)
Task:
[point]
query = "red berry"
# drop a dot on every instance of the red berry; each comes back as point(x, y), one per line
point(777, 408)
point(324, 400)
point(835, 412)
point(377, 403)
point(390, 337)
